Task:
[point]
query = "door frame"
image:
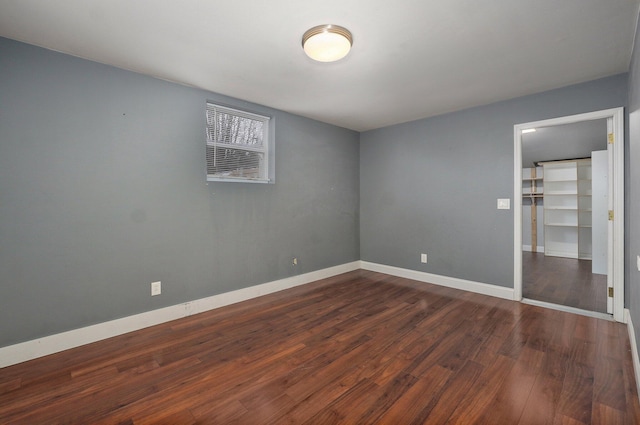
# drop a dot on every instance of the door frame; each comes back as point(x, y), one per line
point(617, 273)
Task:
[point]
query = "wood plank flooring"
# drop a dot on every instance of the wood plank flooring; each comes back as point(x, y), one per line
point(563, 281)
point(359, 348)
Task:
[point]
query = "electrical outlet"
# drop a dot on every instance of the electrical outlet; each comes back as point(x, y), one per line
point(294, 261)
point(423, 258)
point(156, 288)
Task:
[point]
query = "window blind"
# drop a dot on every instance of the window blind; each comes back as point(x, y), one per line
point(237, 144)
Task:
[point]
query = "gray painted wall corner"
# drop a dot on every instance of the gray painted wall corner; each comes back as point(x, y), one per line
point(431, 185)
point(103, 191)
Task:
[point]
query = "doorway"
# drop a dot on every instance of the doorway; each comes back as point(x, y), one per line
point(559, 224)
point(564, 219)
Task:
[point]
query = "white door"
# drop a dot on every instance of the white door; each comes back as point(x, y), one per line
point(600, 212)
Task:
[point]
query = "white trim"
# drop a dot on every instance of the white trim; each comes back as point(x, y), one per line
point(617, 114)
point(40, 347)
point(568, 309)
point(517, 212)
point(634, 348)
point(527, 248)
point(618, 222)
point(450, 282)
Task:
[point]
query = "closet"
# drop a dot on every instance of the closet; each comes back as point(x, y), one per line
point(573, 205)
point(567, 208)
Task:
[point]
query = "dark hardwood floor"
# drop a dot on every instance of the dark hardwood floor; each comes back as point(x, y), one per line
point(359, 348)
point(563, 281)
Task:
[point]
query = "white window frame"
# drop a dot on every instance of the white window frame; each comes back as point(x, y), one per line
point(265, 151)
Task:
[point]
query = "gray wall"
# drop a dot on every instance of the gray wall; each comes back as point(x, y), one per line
point(633, 197)
point(431, 185)
point(102, 191)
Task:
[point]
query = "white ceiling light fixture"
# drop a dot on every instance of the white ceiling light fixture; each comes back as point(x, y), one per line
point(327, 43)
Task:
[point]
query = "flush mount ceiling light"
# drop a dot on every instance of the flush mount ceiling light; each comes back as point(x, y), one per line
point(327, 43)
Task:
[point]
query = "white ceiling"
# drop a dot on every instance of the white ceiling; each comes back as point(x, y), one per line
point(410, 59)
point(567, 141)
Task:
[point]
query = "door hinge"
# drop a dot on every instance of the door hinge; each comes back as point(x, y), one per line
point(610, 215)
point(610, 292)
point(610, 137)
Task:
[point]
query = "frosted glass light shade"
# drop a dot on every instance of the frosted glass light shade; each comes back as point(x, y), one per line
point(327, 43)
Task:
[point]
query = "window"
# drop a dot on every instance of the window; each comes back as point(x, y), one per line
point(237, 145)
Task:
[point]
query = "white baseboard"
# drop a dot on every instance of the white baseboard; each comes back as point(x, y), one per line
point(567, 309)
point(527, 248)
point(40, 347)
point(634, 348)
point(450, 282)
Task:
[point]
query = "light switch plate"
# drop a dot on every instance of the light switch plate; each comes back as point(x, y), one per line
point(638, 263)
point(504, 204)
point(156, 288)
